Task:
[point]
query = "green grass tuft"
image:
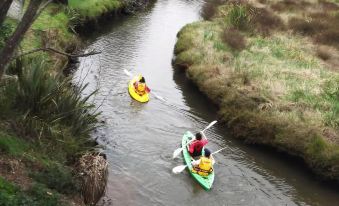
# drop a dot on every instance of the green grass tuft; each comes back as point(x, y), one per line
point(94, 8)
point(11, 145)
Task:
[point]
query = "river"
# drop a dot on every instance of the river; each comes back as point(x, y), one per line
point(139, 139)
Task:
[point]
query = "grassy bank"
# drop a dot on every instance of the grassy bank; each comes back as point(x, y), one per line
point(275, 81)
point(45, 122)
point(92, 9)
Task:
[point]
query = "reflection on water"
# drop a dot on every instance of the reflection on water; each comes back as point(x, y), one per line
point(139, 138)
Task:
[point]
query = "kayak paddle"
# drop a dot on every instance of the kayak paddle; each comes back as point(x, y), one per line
point(180, 168)
point(157, 96)
point(179, 150)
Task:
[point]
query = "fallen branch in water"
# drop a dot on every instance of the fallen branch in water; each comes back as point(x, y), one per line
point(49, 49)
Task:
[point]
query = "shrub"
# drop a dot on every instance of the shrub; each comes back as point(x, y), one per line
point(5, 30)
point(323, 53)
point(208, 10)
point(239, 17)
point(328, 37)
point(234, 39)
point(265, 21)
point(57, 177)
point(49, 108)
point(11, 195)
point(52, 99)
point(301, 26)
point(11, 145)
point(290, 5)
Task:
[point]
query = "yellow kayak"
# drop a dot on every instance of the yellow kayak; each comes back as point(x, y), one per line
point(134, 94)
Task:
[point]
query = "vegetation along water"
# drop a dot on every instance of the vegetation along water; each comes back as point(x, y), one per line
point(267, 70)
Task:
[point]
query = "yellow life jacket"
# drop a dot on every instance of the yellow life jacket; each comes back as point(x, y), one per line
point(141, 87)
point(204, 168)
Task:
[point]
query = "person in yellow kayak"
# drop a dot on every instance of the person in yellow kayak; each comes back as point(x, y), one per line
point(204, 165)
point(140, 86)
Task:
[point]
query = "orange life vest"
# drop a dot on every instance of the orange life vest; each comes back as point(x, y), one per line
point(204, 168)
point(140, 88)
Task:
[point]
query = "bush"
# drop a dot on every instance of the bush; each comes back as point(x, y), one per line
point(323, 53)
point(52, 99)
point(38, 195)
point(239, 17)
point(306, 27)
point(265, 21)
point(290, 5)
point(11, 145)
point(47, 107)
point(234, 39)
point(57, 177)
point(5, 30)
point(208, 10)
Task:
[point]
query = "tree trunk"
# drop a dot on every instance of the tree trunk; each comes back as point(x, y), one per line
point(4, 7)
point(13, 42)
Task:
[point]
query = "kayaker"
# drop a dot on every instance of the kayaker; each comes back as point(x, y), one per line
point(204, 165)
point(140, 86)
point(196, 146)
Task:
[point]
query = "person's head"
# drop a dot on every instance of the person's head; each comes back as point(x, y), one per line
point(207, 152)
point(198, 136)
point(142, 80)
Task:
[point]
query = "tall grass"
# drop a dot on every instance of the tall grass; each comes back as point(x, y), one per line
point(50, 106)
point(11, 195)
point(239, 17)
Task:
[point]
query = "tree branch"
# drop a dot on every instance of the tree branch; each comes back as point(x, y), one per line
point(49, 49)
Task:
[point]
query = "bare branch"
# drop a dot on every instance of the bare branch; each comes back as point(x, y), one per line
point(42, 7)
point(49, 49)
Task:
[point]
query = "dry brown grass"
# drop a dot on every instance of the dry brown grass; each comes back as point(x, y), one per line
point(208, 10)
point(323, 53)
point(265, 21)
point(289, 5)
point(234, 39)
point(322, 26)
point(93, 172)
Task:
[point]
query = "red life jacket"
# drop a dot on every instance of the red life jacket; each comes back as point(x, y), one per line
point(197, 146)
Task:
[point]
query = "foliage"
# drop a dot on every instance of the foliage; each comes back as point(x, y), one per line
point(49, 108)
point(94, 8)
point(38, 195)
point(275, 91)
point(239, 17)
point(57, 177)
point(11, 145)
point(5, 30)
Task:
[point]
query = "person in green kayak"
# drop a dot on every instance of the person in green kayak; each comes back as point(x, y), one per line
point(196, 146)
point(204, 165)
point(140, 86)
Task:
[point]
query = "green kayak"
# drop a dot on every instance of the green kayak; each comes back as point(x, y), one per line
point(206, 181)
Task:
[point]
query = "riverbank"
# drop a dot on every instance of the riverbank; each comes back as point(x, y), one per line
point(45, 122)
point(272, 74)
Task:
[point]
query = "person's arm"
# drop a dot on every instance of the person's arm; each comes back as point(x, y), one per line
point(196, 162)
point(191, 147)
point(203, 136)
point(148, 90)
point(213, 161)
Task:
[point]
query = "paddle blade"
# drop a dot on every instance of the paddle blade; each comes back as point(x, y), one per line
point(176, 152)
point(158, 97)
point(127, 72)
point(210, 125)
point(178, 169)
